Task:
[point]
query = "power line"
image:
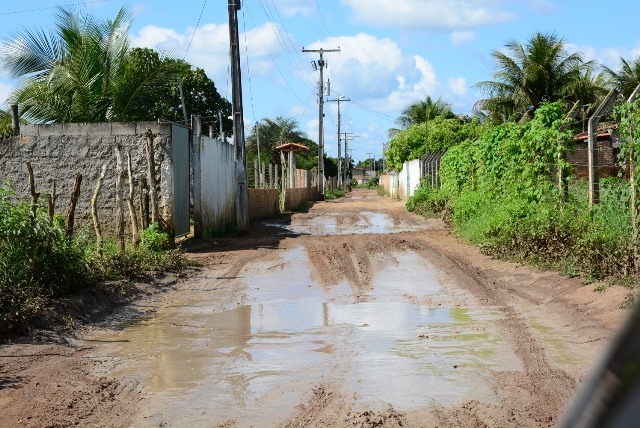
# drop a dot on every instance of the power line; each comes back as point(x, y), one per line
point(195, 29)
point(374, 112)
point(273, 59)
point(323, 21)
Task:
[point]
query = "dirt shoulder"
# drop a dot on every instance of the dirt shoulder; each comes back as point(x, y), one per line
point(46, 381)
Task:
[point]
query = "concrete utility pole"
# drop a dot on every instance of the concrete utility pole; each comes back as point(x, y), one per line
point(321, 65)
point(594, 170)
point(347, 154)
point(339, 100)
point(242, 196)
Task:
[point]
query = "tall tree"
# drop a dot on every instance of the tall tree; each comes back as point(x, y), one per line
point(200, 94)
point(80, 71)
point(627, 78)
point(526, 75)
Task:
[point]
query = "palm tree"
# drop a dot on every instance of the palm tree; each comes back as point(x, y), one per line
point(527, 75)
point(628, 76)
point(424, 110)
point(80, 71)
point(272, 133)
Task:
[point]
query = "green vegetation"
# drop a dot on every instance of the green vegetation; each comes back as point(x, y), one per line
point(38, 262)
point(334, 193)
point(498, 192)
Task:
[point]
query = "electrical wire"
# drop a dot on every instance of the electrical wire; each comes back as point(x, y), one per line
point(195, 29)
point(273, 59)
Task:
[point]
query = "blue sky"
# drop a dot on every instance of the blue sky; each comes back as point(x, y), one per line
point(393, 52)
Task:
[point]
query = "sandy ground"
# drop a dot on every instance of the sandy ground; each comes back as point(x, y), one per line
point(77, 379)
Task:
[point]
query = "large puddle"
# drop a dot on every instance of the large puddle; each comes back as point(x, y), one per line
point(254, 363)
point(344, 224)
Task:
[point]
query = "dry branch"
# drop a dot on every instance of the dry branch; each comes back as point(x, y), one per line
point(51, 199)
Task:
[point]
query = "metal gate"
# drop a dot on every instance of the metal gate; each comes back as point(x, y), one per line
point(180, 162)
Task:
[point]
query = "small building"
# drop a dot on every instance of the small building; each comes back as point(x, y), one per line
point(362, 175)
point(608, 140)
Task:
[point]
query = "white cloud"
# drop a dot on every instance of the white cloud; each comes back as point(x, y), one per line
point(209, 46)
point(440, 15)
point(458, 85)
point(459, 37)
point(605, 56)
point(291, 8)
point(543, 6)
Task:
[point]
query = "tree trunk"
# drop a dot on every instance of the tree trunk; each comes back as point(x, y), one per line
point(51, 199)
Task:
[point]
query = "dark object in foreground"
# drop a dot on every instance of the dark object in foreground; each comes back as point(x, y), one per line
point(611, 397)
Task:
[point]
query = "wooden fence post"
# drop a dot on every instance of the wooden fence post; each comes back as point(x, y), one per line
point(119, 202)
point(94, 207)
point(73, 201)
point(34, 211)
point(151, 177)
point(132, 209)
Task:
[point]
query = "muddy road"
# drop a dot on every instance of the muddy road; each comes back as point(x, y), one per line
point(355, 313)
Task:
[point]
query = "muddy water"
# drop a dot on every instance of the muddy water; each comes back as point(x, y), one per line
point(368, 222)
point(206, 358)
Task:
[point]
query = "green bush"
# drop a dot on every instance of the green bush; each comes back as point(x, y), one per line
point(499, 193)
point(38, 262)
point(334, 193)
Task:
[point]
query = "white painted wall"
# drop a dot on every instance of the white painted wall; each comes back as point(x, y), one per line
point(409, 178)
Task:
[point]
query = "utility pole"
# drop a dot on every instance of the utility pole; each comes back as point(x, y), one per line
point(347, 154)
point(339, 100)
point(242, 196)
point(321, 65)
point(369, 156)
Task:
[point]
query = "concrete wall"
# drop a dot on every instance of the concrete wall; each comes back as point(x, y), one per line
point(390, 184)
point(58, 152)
point(409, 179)
point(263, 203)
point(294, 198)
point(217, 187)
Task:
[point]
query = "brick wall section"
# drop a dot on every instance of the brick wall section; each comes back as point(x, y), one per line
point(263, 203)
point(60, 151)
point(294, 198)
point(607, 159)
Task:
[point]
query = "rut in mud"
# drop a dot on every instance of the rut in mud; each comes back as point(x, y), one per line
point(355, 313)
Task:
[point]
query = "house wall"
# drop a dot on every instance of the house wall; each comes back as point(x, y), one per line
point(607, 159)
point(294, 198)
point(390, 184)
point(58, 152)
point(409, 179)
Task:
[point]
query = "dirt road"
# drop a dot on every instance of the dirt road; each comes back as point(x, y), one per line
point(355, 313)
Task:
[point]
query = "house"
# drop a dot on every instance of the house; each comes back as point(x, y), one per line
point(362, 175)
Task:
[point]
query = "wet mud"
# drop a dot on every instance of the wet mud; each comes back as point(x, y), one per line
point(360, 314)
